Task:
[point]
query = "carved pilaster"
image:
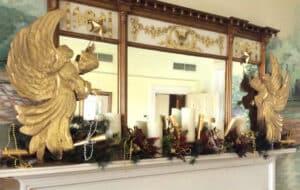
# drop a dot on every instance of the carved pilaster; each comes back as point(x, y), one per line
point(122, 67)
point(52, 5)
point(264, 42)
point(228, 75)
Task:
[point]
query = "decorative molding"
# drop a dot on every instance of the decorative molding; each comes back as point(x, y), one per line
point(153, 172)
point(176, 36)
point(78, 17)
point(197, 16)
point(126, 164)
point(241, 45)
point(185, 16)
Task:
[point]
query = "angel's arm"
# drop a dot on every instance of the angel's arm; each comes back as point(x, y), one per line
point(82, 88)
point(70, 77)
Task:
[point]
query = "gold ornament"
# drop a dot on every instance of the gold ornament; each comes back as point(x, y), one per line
point(95, 139)
point(45, 74)
point(97, 27)
point(200, 125)
point(100, 21)
point(273, 93)
point(176, 36)
point(246, 48)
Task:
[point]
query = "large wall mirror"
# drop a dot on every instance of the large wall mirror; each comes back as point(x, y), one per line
point(104, 79)
point(242, 94)
point(159, 83)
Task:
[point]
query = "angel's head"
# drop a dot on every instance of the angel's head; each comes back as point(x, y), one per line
point(256, 83)
point(87, 61)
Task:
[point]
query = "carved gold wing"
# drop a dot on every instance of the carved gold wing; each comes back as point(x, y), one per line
point(273, 92)
point(278, 86)
point(43, 74)
point(33, 61)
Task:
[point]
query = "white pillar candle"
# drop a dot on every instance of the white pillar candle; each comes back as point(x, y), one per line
point(155, 130)
point(114, 123)
point(143, 126)
point(187, 123)
point(90, 108)
point(177, 113)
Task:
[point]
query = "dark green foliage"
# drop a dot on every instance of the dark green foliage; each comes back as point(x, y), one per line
point(238, 144)
point(209, 143)
point(168, 141)
point(136, 146)
point(103, 151)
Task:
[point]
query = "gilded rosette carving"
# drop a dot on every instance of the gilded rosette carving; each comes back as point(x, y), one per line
point(241, 45)
point(78, 18)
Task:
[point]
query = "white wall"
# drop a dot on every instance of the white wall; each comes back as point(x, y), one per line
point(148, 69)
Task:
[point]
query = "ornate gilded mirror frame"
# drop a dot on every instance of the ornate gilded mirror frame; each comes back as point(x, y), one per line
point(239, 35)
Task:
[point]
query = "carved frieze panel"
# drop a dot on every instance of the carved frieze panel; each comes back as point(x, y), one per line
point(241, 45)
point(79, 17)
point(163, 34)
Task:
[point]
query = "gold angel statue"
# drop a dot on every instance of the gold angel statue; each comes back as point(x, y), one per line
point(273, 92)
point(46, 75)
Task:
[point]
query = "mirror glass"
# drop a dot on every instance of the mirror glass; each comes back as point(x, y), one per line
point(95, 104)
point(103, 79)
point(242, 94)
point(103, 102)
point(161, 83)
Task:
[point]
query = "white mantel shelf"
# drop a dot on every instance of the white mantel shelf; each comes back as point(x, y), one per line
point(220, 171)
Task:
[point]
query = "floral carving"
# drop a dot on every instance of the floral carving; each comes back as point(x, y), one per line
point(177, 37)
point(242, 45)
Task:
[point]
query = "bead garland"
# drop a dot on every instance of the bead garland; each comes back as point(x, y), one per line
point(22, 163)
point(90, 144)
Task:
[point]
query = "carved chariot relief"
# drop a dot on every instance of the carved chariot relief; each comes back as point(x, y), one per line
point(79, 17)
point(176, 36)
point(241, 45)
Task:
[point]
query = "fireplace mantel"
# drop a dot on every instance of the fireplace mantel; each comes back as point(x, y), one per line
point(221, 171)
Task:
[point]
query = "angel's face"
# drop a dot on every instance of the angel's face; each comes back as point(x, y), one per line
point(87, 62)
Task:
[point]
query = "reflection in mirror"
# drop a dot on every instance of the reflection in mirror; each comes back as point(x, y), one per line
point(161, 83)
point(243, 94)
point(103, 99)
point(95, 104)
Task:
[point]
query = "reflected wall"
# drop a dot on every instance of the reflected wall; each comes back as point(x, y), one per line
point(155, 77)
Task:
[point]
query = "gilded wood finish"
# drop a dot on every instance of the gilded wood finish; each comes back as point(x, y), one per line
point(186, 38)
point(122, 68)
point(228, 75)
point(233, 27)
point(273, 93)
point(46, 76)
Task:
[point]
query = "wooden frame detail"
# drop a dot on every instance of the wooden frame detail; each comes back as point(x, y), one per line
point(178, 51)
point(231, 26)
point(87, 37)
